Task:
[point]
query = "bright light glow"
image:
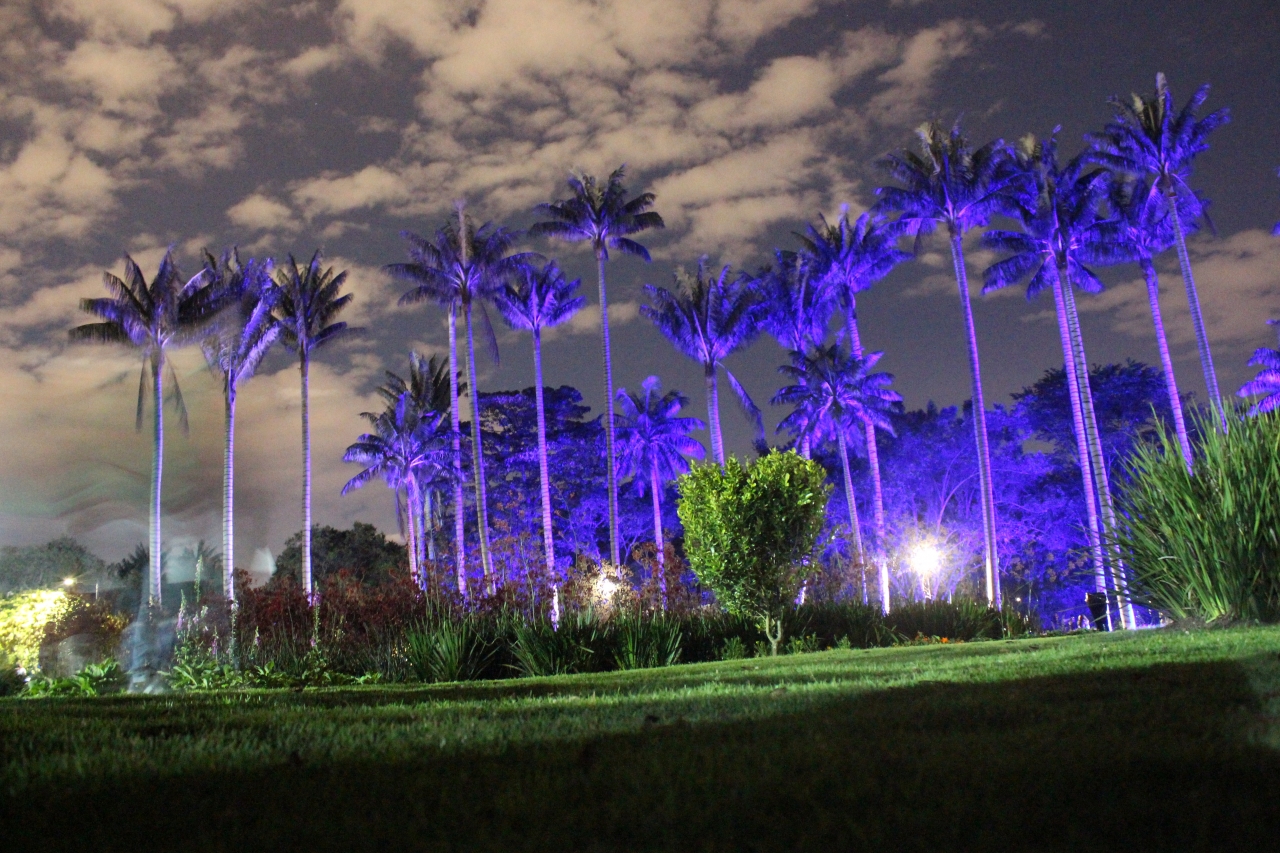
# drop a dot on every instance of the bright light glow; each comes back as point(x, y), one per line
point(68, 581)
point(926, 559)
point(606, 587)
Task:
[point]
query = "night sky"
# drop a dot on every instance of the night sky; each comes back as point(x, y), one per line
point(132, 125)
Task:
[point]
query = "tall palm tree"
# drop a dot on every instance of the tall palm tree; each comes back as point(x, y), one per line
point(833, 394)
point(460, 269)
point(709, 317)
point(307, 304)
point(1146, 138)
point(1141, 228)
point(245, 331)
point(653, 443)
point(409, 449)
point(428, 389)
point(1061, 222)
point(852, 257)
point(602, 215)
point(1267, 382)
point(153, 318)
point(950, 183)
point(539, 299)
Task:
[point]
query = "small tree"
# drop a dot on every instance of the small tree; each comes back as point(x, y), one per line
point(750, 530)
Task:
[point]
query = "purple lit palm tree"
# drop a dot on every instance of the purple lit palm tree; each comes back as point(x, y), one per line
point(653, 443)
point(462, 268)
point(1147, 139)
point(834, 393)
point(708, 318)
point(307, 305)
point(428, 390)
point(1061, 222)
point(1267, 382)
point(409, 448)
point(1140, 229)
point(602, 215)
point(851, 258)
point(951, 184)
point(153, 319)
point(246, 330)
point(539, 299)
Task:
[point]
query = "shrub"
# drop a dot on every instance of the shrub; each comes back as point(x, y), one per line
point(1206, 545)
point(644, 642)
point(449, 650)
point(23, 617)
point(95, 679)
point(539, 648)
point(750, 531)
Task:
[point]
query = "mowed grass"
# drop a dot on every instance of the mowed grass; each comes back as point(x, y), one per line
point(1155, 740)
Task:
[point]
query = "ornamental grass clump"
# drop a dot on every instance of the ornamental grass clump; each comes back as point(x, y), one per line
point(1205, 544)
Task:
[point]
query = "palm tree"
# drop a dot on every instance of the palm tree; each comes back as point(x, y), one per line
point(1267, 382)
point(428, 389)
point(602, 215)
point(246, 330)
point(949, 183)
point(541, 298)
point(1140, 229)
point(463, 267)
point(852, 257)
point(152, 318)
point(1146, 138)
point(408, 448)
point(835, 393)
point(306, 306)
point(1061, 222)
point(653, 441)
point(708, 318)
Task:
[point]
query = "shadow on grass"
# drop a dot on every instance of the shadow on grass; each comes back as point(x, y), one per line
point(1165, 757)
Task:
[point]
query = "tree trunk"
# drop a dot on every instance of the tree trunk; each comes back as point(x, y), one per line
point(1197, 320)
point(1083, 454)
point(1166, 362)
point(228, 495)
point(306, 477)
point(611, 474)
point(990, 557)
point(873, 460)
point(411, 540)
point(713, 413)
point(429, 523)
point(849, 499)
point(544, 466)
point(1097, 460)
point(455, 421)
point(657, 534)
point(477, 451)
point(156, 579)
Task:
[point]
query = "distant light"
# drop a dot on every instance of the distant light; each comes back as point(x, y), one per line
point(926, 559)
point(68, 581)
point(606, 587)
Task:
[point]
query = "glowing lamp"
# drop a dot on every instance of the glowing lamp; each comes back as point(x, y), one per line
point(926, 559)
point(68, 581)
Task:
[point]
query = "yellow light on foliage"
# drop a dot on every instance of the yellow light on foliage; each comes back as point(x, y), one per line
point(23, 616)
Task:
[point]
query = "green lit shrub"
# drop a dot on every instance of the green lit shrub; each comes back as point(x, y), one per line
point(449, 650)
point(1206, 545)
point(643, 642)
point(540, 648)
point(750, 531)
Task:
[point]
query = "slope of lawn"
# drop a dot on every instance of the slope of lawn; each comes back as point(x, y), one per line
point(1156, 740)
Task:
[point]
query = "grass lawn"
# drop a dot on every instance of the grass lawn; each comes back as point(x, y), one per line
point(1155, 740)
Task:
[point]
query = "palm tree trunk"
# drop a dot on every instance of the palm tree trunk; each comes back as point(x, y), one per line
point(657, 534)
point(873, 460)
point(411, 540)
point(455, 421)
point(544, 467)
point(1096, 459)
point(713, 412)
point(611, 473)
point(228, 495)
point(805, 446)
point(990, 557)
point(429, 524)
point(1170, 383)
point(848, 494)
point(477, 452)
point(1083, 454)
point(306, 477)
point(156, 592)
point(1197, 319)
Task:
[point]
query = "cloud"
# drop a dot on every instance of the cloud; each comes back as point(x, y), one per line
point(262, 213)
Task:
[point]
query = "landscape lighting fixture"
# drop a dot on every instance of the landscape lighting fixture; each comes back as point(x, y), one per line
point(926, 560)
point(68, 581)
